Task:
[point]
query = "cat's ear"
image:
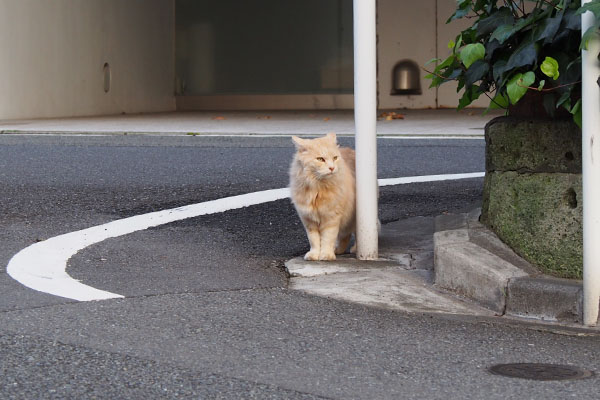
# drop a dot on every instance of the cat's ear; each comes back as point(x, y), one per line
point(300, 143)
point(331, 136)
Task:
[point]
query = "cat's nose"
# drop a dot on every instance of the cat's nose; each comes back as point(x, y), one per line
point(331, 168)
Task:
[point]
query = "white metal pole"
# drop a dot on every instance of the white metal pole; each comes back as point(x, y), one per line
point(365, 120)
point(590, 101)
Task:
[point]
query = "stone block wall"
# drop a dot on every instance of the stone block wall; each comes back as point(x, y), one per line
point(533, 191)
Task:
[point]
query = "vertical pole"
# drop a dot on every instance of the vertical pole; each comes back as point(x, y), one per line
point(590, 102)
point(365, 120)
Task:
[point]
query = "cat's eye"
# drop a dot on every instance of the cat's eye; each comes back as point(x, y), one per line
point(335, 158)
point(321, 159)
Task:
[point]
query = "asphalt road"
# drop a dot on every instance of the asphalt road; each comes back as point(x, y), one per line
point(207, 312)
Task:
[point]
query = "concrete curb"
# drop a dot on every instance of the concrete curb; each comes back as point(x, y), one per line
point(402, 279)
point(470, 260)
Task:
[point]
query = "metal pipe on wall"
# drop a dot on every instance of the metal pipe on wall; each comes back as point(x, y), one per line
point(590, 102)
point(365, 120)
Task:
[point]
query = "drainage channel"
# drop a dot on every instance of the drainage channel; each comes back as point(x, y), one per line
point(541, 372)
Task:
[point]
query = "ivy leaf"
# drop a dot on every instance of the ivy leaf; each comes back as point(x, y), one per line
point(572, 20)
point(459, 41)
point(518, 84)
point(528, 78)
point(479, 5)
point(502, 33)
point(523, 22)
point(547, 28)
point(515, 92)
point(453, 74)
point(578, 119)
point(498, 69)
point(526, 54)
point(446, 63)
point(503, 16)
point(593, 6)
point(469, 35)
point(564, 100)
point(471, 53)
point(476, 71)
point(471, 94)
point(444, 72)
point(463, 9)
point(570, 74)
point(490, 47)
point(499, 101)
point(589, 35)
point(435, 80)
point(577, 113)
point(541, 85)
point(451, 44)
point(550, 68)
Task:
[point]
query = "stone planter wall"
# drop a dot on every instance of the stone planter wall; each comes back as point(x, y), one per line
point(533, 191)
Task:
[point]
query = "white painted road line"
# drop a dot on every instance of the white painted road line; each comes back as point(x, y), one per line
point(428, 178)
point(42, 266)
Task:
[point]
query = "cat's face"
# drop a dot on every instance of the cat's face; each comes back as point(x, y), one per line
point(320, 157)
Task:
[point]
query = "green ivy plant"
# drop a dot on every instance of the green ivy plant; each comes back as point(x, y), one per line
point(516, 46)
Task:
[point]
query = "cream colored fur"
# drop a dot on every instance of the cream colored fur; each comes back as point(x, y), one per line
point(323, 190)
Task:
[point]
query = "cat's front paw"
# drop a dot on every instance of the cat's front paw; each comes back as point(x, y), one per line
point(311, 256)
point(327, 256)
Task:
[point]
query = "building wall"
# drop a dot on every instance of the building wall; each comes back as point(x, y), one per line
point(405, 30)
point(53, 54)
point(418, 32)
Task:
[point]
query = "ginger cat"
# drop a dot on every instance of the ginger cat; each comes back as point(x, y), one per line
point(323, 190)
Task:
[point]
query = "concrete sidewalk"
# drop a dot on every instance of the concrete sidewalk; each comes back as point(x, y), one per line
point(420, 123)
point(451, 265)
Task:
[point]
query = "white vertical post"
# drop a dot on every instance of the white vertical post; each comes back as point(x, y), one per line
point(590, 102)
point(365, 120)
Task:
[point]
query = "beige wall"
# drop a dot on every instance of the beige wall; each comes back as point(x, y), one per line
point(407, 30)
point(53, 53)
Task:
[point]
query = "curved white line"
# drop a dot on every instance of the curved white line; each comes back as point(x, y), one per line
point(42, 266)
